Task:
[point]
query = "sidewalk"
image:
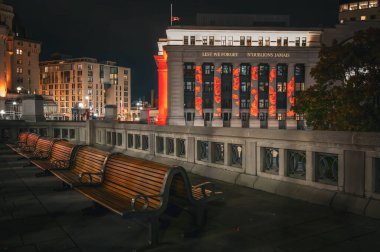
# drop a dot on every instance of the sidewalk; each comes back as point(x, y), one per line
point(34, 217)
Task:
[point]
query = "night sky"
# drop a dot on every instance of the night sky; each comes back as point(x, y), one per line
point(126, 31)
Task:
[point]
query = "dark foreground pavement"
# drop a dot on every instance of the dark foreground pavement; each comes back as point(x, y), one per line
point(34, 217)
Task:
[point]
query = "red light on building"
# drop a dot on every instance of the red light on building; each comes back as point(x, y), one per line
point(290, 95)
point(162, 69)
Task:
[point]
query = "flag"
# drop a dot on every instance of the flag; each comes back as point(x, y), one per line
point(175, 19)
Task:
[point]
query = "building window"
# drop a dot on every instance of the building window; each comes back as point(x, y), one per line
point(286, 41)
point(204, 40)
point(19, 70)
point(211, 40)
point(299, 72)
point(297, 41)
point(261, 41)
point(230, 40)
point(363, 18)
point(373, 4)
point(186, 40)
point(343, 7)
point(19, 51)
point(223, 40)
point(80, 67)
point(208, 69)
point(242, 41)
point(303, 41)
point(249, 41)
point(244, 103)
point(19, 61)
point(192, 40)
point(279, 41)
point(353, 6)
point(363, 5)
point(267, 41)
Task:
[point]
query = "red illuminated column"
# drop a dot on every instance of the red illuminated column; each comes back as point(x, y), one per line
point(290, 115)
point(235, 115)
point(254, 109)
point(198, 118)
point(272, 116)
point(162, 69)
point(217, 119)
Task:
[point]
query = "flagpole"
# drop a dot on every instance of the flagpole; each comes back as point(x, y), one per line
point(171, 14)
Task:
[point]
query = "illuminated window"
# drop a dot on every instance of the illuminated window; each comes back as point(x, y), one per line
point(211, 40)
point(267, 41)
point(303, 41)
point(353, 6)
point(192, 40)
point(261, 41)
point(242, 41)
point(373, 4)
point(286, 41)
point(186, 40)
point(297, 41)
point(80, 67)
point(279, 41)
point(230, 40)
point(363, 5)
point(343, 7)
point(249, 40)
point(279, 117)
point(19, 51)
point(223, 40)
point(204, 40)
point(19, 70)
point(363, 18)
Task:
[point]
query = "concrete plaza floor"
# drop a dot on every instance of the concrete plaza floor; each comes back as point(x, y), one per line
point(34, 217)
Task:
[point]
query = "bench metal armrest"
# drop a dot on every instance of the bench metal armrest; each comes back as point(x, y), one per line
point(59, 164)
point(20, 144)
point(27, 148)
point(89, 174)
point(206, 186)
point(40, 155)
point(146, 201)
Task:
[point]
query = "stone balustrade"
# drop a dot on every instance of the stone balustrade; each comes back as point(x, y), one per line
point(340, 169)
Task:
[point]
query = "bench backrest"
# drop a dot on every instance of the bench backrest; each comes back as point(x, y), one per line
point(132, 176)
point(62, 150)
point(44, 145)
point(23, 136)
point(31, 140)
point(89, 159)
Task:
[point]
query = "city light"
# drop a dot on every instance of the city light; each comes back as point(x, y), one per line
point(14, 103)
point(18, 89)
point(80, 105)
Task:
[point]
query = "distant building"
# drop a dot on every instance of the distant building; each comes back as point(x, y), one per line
point(19, 68)
point(87, 83)
point(357, 10)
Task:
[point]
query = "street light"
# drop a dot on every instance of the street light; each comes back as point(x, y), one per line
point(18, 89)
point(2, 112)
point(80, 105)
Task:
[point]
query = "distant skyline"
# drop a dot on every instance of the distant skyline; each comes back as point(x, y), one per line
point(127, 31)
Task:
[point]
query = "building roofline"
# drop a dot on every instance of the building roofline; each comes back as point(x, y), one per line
point(27, 40)
point(286, 28)
point(80, 59)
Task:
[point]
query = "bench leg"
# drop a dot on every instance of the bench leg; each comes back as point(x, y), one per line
point(201, 216)
point(153, 231)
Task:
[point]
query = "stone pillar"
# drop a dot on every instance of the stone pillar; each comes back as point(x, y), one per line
point(33, 108)
point(110, 112)
point(217, 119)
point(272, 116)
point(291, 123)
point(254, 109)
point(175, 90)
point(162, 71)
point(198, 118)
point(235, 115)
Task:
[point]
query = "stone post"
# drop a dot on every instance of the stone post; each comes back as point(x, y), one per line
point(110, 112)
point(175, 90)
point(33, 108)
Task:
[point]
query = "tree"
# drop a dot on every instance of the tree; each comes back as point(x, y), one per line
point(346, 95)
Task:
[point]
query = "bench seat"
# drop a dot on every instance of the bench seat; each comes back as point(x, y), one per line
point(87, 160)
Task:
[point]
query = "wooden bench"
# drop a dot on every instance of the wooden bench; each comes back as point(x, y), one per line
point(30, 144)
point(141, 188)
point(42, 149)
point(59, 157)
point(87, 160)
point(21, 141)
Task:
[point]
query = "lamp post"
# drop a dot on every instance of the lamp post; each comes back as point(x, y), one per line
point(18, 89)
point(2, 112)
point(14, 103)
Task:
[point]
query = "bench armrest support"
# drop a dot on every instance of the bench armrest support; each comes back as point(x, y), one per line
point(146, 201)
point(206, 186)
point(59, 164)
point(89, 174)
point(40, 155)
